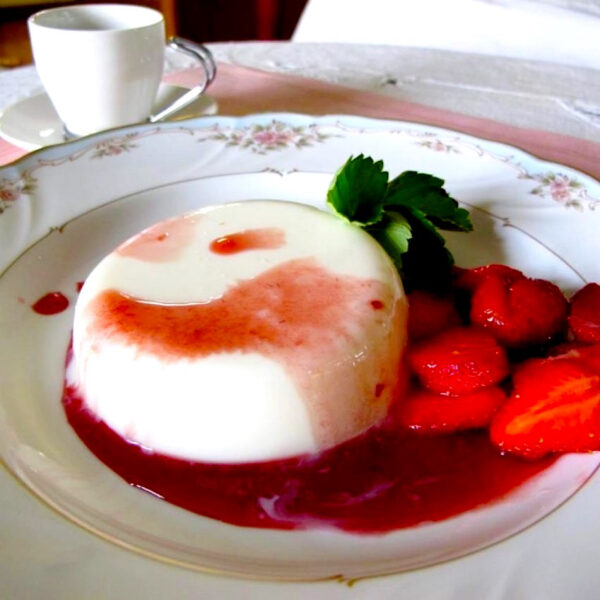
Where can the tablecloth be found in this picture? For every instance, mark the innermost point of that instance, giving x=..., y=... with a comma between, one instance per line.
x=240, y=90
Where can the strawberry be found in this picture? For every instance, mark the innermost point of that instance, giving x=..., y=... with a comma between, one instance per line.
x=471, y=279
x=429, y=314
x=554, y=407
x=563, y=349
x=458, y=361
x=519, y=312
x=588, y=354
x=427, y=412
x=584, y=314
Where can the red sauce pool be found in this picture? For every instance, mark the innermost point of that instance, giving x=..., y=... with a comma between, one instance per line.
x=51, y=303
x=380, y=481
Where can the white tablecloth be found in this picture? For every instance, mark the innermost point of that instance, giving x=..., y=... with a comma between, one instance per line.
x=533, y=94
x=44, y=556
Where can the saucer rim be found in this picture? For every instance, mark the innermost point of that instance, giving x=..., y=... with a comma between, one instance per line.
x=48, y=114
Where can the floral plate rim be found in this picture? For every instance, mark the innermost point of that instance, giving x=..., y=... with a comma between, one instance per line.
x=560, y=182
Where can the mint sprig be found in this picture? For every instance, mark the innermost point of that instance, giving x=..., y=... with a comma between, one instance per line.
x=403, y=215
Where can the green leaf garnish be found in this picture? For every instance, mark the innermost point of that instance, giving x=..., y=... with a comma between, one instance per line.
x=427, y=263
x=358, y=190
x=403, y=215
x=425, y=192
x=393, y=232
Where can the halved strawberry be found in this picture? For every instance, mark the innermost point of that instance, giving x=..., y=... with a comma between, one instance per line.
x=563, y=349
x=588, y=354
x=458, y=361
x=471, y=279
x=427, y=412
x=554, y=407
x=584, y=314
x=429, y=314
x=521, y=312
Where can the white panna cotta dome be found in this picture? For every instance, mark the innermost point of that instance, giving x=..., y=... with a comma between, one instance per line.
x=243, y=332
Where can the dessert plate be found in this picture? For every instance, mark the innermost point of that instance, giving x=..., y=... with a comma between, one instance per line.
x=32, y=123
x=64, y=207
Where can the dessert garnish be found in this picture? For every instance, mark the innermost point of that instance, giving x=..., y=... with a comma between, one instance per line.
x=519, y=311
x=463, y=336
x=584, y=316
x=403, y=215
x=458, y=361
x=554, y=407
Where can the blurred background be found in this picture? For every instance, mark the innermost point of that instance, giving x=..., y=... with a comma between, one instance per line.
x=198, y=20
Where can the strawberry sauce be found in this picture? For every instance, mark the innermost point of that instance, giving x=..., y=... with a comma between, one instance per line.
x=163, y=242
x=298, y=314
x=251, y=239
x=51, y=303
x=383, y=480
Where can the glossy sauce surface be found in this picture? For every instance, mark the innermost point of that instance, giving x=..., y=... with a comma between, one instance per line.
x=51, y=303
x=383, y=480
x=163, y=242
x=268, y=238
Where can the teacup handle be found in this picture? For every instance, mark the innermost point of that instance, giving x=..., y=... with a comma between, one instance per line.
x=204, y=57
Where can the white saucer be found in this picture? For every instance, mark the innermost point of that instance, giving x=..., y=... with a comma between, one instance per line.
x=32, y=123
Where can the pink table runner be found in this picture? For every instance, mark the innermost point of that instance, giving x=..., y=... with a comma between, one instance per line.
x=240, y=91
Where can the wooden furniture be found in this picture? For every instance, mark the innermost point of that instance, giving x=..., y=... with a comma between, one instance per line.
x=15, y=49
x=201, y=21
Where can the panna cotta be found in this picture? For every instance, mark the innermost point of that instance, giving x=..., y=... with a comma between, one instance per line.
x=240, y=333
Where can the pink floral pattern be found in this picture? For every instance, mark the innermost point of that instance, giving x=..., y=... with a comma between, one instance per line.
x=114, y=146
x=438, y=145
x=563, y=189
x=558, y=187
x=276, y=136
x=261, y=139
x=12, y=189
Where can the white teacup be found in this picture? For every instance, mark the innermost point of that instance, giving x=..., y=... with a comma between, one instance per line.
x=101, y=64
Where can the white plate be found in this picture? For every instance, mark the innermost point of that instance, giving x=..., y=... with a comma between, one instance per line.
x=66, y=206
x=32, y=123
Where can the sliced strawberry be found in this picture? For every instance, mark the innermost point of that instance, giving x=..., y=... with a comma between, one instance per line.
x=584, y=314
x=429, y=314
x=554, y=407
x=458, y=361
x=471, y=279
x=519, y=313
x=588, y=354
x=427, y=412
x=563, y=349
